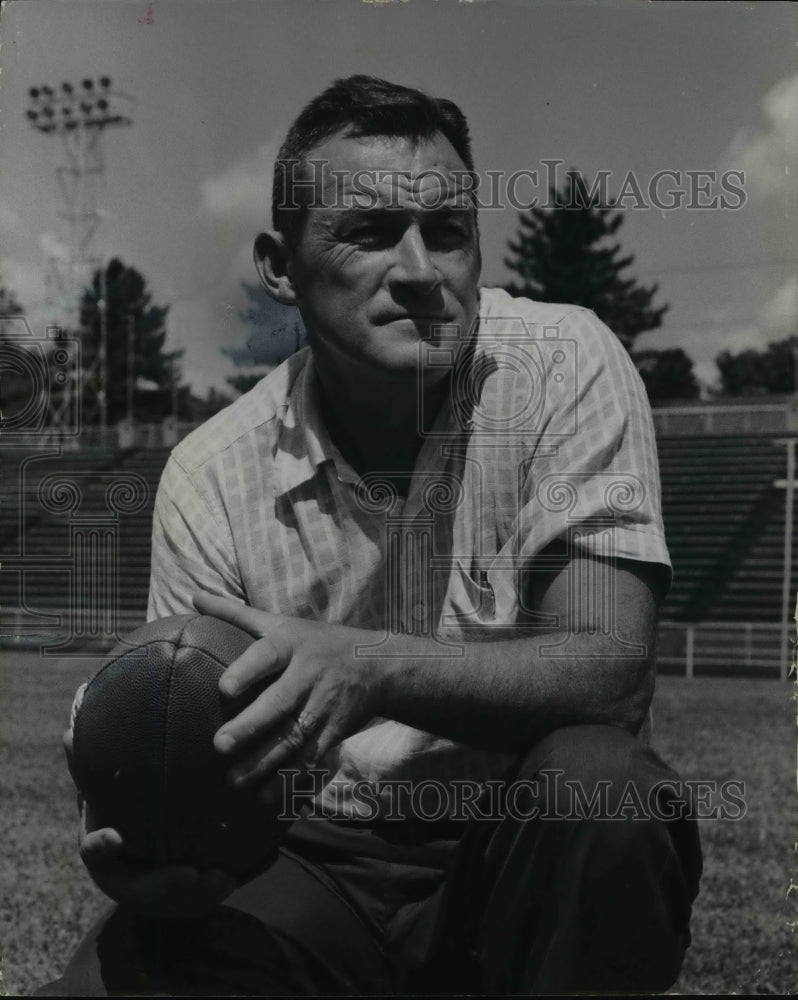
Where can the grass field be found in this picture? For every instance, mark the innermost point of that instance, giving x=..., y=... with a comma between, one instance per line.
x=709, y=729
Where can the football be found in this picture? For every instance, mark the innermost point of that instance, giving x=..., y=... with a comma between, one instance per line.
x=143, y=753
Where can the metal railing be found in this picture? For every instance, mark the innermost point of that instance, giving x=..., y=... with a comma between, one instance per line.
x=114, y=437
x=756, y=418
x=755, y=648
x=669, y=421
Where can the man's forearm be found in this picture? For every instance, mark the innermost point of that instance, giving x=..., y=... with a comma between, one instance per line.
x=506, y=695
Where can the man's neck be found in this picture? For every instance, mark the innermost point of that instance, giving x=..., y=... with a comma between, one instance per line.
x=379, y=432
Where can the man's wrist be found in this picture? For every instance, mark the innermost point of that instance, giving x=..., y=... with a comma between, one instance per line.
x=395, y=669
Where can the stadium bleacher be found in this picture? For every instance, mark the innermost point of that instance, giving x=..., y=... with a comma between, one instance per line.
x=75, y=543
x=724, y=520
x=64, y=542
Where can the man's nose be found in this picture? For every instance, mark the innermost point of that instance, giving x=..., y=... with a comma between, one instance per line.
x=414, y=263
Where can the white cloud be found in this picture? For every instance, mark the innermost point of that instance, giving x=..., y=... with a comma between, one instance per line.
x=53, y=246
x=780, y=312
x=720, y=330
x=769, y=155
x=200, y=326
x=9, y=219
x=242, y=189
x=706, y=337
x=24, y=279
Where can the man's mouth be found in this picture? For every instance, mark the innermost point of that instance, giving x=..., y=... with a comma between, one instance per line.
x=418, y=318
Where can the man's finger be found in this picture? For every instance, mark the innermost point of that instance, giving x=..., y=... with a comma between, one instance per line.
x=264, y=658
x=102, y=853
x=277, y=750
x=103, y=846
x=308, y=758
x=302, y=741
x=67, y=741
x=242, y=615
x=264, y=718
x=278, y=747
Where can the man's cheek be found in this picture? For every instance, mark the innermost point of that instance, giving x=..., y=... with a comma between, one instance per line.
x=330, y=259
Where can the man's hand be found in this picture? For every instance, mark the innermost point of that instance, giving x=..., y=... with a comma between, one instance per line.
x=595, y=666
x=323, y=693
x=162, y=892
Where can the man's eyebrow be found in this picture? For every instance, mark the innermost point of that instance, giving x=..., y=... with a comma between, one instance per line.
x=359, y=213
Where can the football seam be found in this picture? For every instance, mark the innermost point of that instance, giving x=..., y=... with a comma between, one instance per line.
x=176, y=644
x=206, y=652
x=165, y=815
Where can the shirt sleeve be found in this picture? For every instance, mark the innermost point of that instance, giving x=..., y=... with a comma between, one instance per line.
x=589, y=474
x=192, y=547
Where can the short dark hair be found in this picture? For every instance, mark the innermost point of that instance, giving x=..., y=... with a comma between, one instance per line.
x=356, y=107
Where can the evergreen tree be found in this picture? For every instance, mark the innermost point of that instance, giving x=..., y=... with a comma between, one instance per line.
x=127, y=300
x=567, y=252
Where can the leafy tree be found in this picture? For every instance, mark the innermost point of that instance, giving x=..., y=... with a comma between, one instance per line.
x=8, y=306
x=567, y=252
x=276, y=332
x=14, y=386
x=772, y=370
x=127, y=301
x=667, y=374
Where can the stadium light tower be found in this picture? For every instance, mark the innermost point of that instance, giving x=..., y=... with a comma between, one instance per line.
x=79, y=116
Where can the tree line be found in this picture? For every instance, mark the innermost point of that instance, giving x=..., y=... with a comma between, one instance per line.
x=567, y=252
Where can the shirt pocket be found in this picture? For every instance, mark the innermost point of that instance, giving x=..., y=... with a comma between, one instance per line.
x=471, y=602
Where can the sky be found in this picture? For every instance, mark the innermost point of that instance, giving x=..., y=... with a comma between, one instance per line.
x=632, y=89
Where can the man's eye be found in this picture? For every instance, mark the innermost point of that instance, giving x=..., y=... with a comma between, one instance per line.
x=371, y=236
x=449, y=231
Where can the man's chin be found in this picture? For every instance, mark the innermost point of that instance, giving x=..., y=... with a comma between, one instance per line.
x=409, y=362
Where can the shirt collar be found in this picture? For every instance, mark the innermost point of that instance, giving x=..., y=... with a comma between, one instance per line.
x=303, y=442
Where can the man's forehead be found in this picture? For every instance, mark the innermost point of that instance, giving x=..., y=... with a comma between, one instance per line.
x=396, y=172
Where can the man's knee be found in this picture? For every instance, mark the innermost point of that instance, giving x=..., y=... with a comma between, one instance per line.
x=607, y=845
x=608, y=801
x=594, y=772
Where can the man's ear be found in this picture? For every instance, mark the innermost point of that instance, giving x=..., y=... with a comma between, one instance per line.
x=273, y=266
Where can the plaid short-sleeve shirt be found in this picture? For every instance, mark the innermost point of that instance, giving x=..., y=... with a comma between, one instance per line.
x=547, y=434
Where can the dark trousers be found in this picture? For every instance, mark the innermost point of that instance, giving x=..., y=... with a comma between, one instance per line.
x=579, y=878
